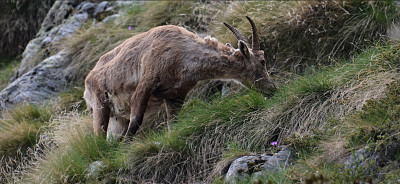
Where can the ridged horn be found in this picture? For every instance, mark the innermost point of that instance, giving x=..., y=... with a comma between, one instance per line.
x=238, y=35
x=255, y=41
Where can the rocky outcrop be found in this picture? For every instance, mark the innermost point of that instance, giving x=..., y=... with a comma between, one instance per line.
x=39, y=79
x=60, y=23
x=256, y=164
x=39, y=83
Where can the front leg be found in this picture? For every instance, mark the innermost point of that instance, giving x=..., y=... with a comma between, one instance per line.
x=139, y=102
x=101, y=115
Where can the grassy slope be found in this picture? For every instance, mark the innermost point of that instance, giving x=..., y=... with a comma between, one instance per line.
x=308, y=32
x=308, y=109
x=204, y=133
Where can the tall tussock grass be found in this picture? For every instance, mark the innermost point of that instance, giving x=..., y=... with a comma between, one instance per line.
x=210, y=131
x=66, y=149
x=199, y=136
x=20, y=129
x=307, y=33
x=20, y=20
x=89, y=45
x=297, y=34
x=203, y=131
x=189, y=14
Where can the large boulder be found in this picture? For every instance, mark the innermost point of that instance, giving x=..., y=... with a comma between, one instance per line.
x=60, y=23
x=39, y=79
x=38, y=83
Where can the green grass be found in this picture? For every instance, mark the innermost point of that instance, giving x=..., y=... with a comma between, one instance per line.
x=152, y=14
x=70, y=100
x=197, y=124
x=7, y=67
x=373, y=60
x=226, y=120
x=213, y=132
x=378, y=123
x=76, y=149
x=295, y=35
x=20, y=128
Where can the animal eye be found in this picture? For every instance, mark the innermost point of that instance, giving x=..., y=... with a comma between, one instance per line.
x=263, y=62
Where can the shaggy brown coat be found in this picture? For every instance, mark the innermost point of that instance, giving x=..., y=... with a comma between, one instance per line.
x=163, y=65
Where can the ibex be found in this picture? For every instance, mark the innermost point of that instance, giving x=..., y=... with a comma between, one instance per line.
x=161, y=66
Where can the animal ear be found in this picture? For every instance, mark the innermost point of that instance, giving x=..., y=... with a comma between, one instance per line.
x=244, y=49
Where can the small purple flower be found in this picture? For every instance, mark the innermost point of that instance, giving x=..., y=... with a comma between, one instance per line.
x=44, y=137
x=274, y=143
x=130, y=28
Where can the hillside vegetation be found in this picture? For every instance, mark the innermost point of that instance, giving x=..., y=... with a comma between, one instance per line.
x=338, y=92
x=20, y=20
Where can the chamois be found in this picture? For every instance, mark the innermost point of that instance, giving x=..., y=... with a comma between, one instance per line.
x=161, y=66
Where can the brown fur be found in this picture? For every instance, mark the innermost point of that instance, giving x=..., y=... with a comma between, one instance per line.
x=163, y=65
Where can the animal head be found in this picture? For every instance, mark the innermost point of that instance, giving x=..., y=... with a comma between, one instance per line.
x=255, y=73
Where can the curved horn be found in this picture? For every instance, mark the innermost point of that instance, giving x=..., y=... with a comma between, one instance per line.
x=238, y=35
x=255, y=41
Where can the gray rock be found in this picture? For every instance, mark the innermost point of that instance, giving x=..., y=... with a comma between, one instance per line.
x=277, y=160
x=29, y=53
x=241, y=166
x=94, y=169
x=358, y=159
x=102, y=7
x=60, y=11
x=38, y=84
x=247, y=165
x=363, y=160
x=111, y=18
x=50, y=28
x=35, y=82
x=58, y=24
x=87, y=7
x=116, y=128
x=128, y=3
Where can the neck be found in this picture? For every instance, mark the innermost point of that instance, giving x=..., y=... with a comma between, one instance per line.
x=214, y=61
x=220, y=66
